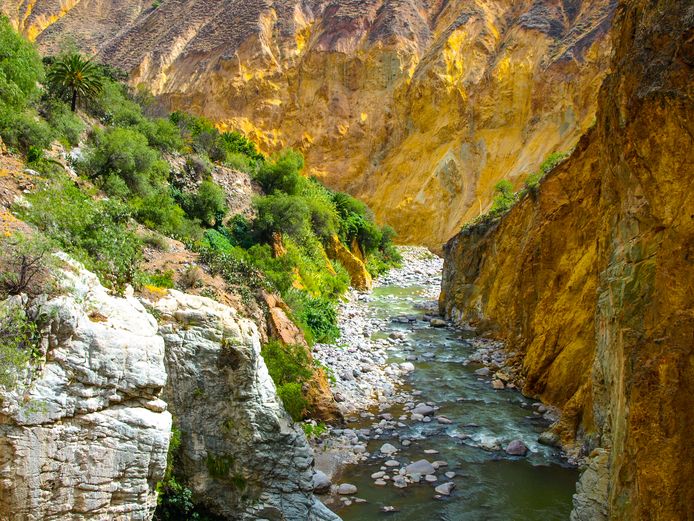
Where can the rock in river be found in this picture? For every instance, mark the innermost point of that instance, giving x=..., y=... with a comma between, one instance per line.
x=346, y=489
x=516, y=448
x=421, y=466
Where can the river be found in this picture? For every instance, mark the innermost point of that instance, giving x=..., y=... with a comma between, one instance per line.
x=477, y=422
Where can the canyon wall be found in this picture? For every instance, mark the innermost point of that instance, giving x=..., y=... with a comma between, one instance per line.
x=418, y=107
x=591, y=281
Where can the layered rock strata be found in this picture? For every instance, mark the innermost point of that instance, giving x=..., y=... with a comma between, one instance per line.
x=417, y=107
x=590, y=281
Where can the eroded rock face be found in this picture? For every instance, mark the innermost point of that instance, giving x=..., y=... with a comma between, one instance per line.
x=416, y=107
x=88, y=438
x=240, y=453
x=591, y=281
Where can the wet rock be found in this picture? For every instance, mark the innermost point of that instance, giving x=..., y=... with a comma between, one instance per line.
x=549, y=438
x=437, y=322
x=388, y=449
x=516, y=448
x=321, y=483
x=408, y=367
x=424, y=410
x=378, y=475
x=498, y=384
x=431, y=478
x=346, y=489
x=445, y=489
x=443, y=420
x=484, y=371
x=389, y=509
x=421, y=467
x=392, y=463
x=380, y=483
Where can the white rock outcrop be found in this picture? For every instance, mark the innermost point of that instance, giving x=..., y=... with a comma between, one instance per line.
x=240, y=453
x=87, y=437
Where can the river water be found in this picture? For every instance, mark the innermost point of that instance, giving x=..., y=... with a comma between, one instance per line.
x=489, y=484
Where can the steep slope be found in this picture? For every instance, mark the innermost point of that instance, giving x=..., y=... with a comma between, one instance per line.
x=416, y=106
x=591, y=282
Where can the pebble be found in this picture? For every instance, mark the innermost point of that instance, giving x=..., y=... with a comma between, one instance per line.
x=431, y=478
x=388, y=449
x=392, y=463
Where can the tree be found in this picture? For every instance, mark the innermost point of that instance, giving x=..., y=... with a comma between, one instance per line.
x=78, y=75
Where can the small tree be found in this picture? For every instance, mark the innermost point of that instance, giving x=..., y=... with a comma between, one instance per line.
x=79, y=76
x=25, y=265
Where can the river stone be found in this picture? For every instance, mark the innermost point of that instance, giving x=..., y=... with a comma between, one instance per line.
x=389, y=509
x=378, y=475
x=407, y=367
x=321, y=483
x=497, y=384
x=424, y=410
x=443, y=420
x=346, y=489
x=388, y=449
x=549, y=438
x=516, y=448
x=399, y=482
x=421, y=466
x=437, y=322
x=445, y=488
x=484, y=371
x=450, y=474
x=392, y=463
x=431, y=478
x=380, y=483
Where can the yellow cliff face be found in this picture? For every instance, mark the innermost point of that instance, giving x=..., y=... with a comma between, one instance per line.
x=591, y=282
x=418, y=108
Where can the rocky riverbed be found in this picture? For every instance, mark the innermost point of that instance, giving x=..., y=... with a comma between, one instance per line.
x=432, y=413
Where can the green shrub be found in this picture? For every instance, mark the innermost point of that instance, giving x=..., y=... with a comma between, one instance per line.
x=240, y=231
x=95, y=232
x=64, y=122
x=283, y=214
x=504, y=199
x=286, y=363
x=162, y=134
x=282, y=174
x=314, y=431
x=21, y=69
x=19, y=341
x=208, y=204
x=26, y=265
x=125, y=153
x=159, y=279
x=240, y=162
x=293, y=400
x=160, y=212
x=23, y=130
x=319, y=316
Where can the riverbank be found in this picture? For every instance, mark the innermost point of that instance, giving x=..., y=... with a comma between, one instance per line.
x=416, y=391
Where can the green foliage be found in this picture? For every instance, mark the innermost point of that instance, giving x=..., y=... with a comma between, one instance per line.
x=65, y=123
x=532, y=183
x=314, y=430
x=219, y=466
x=26, y=265
x=289, y=367
x=503, y=200
x=293, y=400
x=22, y=130
x=159, y=211
x=77, y=76
x=284, y=214
x=286, y=363
x=18, y=342
x=125, y=153
x=95, y=232
x=208, y=204
x=282, y=174
x=160, y=279
x=320, y=317
x=20, y=69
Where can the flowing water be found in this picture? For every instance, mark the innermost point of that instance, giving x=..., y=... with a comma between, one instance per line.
x=490, y=485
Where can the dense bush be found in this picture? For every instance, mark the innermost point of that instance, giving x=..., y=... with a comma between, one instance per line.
x=208, y=204
x=282, y=174
x=124, y=153
x=284, y=214
x=95, y=232
x=67, y=126
x=320, y=317
x=290, y=367
x=18, y=343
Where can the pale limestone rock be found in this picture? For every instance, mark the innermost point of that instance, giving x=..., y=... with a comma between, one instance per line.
x=87, y=438
x=240, y=452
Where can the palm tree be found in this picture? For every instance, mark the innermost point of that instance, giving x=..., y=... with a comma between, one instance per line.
x=78, y=75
